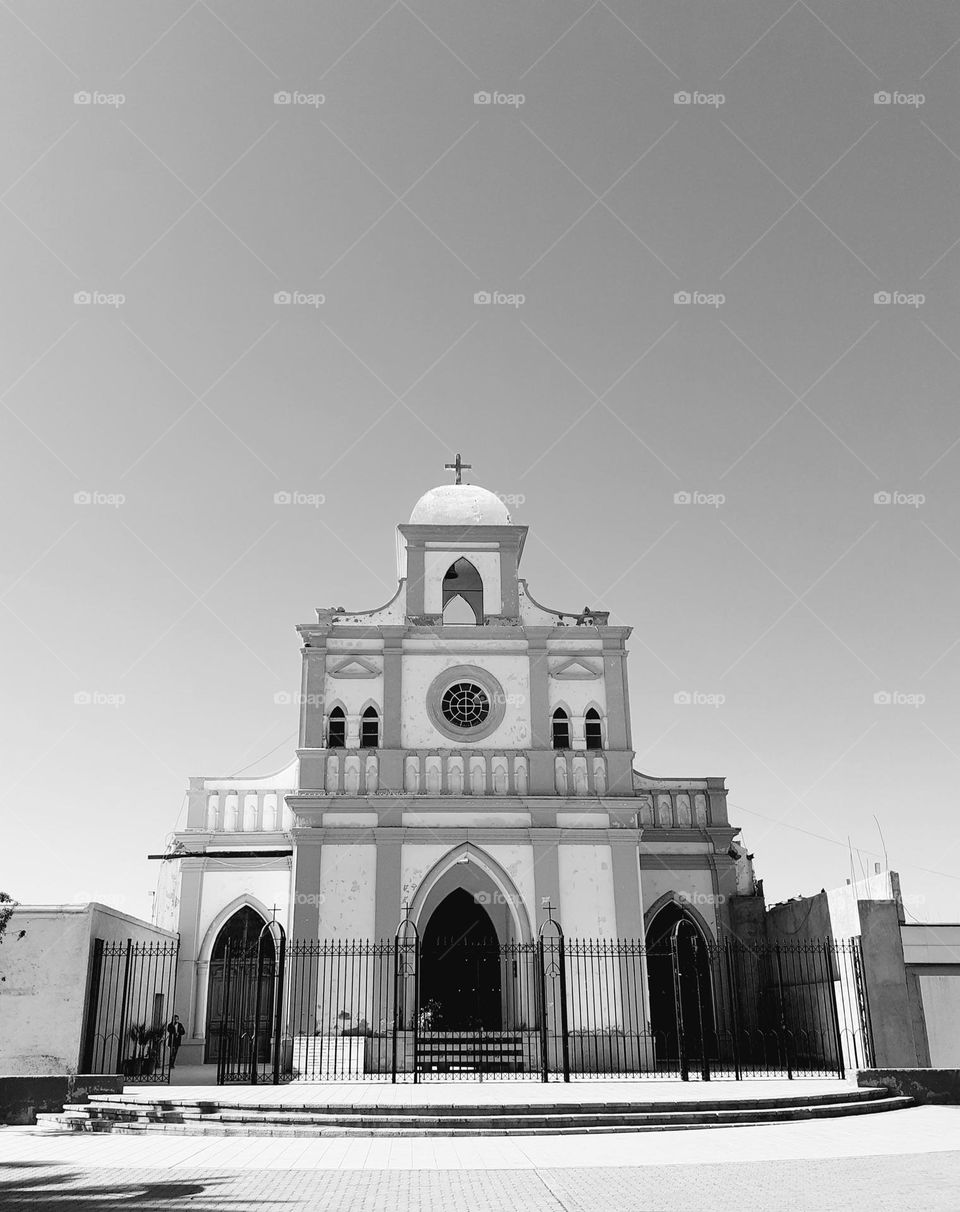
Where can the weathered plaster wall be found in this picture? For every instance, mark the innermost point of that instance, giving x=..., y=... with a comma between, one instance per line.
x=416, y=861
x=348, y=880
x=419, y=670
x=587, y=906
x=221, y=888
x=695, y=886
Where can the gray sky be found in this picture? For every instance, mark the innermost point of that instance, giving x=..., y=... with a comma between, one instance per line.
x=596, y=399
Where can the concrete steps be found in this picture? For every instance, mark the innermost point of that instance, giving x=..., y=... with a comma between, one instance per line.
x=126, y=1114
x=470, y=1052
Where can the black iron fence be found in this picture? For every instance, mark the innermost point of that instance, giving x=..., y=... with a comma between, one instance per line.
x=552, y=1010
x=130, y=1008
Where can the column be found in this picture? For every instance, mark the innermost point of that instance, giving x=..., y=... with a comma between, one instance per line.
x=540, y=781
x=391, y=740
x=305, y=910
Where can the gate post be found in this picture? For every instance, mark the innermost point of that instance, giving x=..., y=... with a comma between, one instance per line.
x=224, y=1011
x=402, y=947
x=704, y=1057
x=557, y=949
x=123, y=1005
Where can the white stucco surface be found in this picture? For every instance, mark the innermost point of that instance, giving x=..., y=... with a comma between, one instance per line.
x=586, y=891
x=941, y=1011
x=420, y=669
x=221, y=888
x=348, y=879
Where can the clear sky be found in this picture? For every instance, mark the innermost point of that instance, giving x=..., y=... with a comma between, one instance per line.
x=782, y=597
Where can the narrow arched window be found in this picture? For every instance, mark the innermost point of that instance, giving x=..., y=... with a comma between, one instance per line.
x=462, y=594
x=561, y=729
x=369, y=729
x=593, y=729
x=337, y=729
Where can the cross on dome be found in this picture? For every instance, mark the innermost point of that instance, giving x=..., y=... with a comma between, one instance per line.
x=458, y=466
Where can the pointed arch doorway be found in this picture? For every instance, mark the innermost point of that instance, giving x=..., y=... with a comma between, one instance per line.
x=232, y=990
x=461, y=987
x=680, y=986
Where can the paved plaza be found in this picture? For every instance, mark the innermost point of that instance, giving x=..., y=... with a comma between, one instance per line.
x=898, y=1159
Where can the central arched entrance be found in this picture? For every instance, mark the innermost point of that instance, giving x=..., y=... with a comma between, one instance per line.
x=460, y=978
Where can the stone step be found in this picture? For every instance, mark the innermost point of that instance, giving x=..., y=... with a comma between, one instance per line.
x=203, y=1119
x=220, y=1099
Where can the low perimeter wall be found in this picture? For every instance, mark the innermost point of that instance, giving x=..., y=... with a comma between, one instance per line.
x=21, y=1098
x=924, y=1085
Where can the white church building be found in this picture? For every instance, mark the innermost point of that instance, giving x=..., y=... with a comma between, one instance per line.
x=462, y=745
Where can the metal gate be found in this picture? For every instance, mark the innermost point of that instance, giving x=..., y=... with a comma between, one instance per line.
x=551, y=1010
x=131, y=998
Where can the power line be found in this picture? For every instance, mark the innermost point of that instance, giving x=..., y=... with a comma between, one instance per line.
x=835, y=842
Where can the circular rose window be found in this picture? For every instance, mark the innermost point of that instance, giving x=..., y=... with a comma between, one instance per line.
x=465, y=705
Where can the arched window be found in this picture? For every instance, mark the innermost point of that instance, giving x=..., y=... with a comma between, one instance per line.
x=369, y=729
x=593, y=729
x=462, y=594
x=561, y=729
x=337, y=729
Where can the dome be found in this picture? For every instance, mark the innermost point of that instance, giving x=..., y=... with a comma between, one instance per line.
x=459, y=505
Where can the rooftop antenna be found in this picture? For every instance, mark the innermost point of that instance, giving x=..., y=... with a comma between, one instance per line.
x=886, y=862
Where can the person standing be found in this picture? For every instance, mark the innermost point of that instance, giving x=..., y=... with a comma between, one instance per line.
x=175, y=1034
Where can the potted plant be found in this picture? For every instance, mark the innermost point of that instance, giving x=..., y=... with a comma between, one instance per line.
x=146, y=1041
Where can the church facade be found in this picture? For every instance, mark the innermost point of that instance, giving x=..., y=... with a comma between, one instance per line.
x=461, y=745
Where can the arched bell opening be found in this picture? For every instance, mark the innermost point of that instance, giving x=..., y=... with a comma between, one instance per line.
x=232, y=983
x=462, y=595
x=680, y=985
